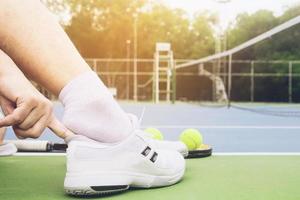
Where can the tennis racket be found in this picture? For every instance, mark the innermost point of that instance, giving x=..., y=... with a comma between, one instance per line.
x=45, y=146
x=204, y=150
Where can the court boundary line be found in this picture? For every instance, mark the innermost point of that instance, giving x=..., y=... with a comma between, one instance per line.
x=35, y=154
x=222, y=127
x=256, y=154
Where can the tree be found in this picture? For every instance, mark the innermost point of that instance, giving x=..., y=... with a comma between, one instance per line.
x=101, y=28
x=249, y=26
x=281, y=46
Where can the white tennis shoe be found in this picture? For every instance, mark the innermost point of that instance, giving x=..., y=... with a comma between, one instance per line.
x=178, y=146
x=94, y=168
x=159, y=144
x=7, y=149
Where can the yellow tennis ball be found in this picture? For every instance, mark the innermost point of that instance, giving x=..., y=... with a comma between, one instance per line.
x=154, y=133
x=192, y=138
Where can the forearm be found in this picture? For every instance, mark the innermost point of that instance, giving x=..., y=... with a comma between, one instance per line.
x=7, y=66
x=32, y=37
x=10, y=74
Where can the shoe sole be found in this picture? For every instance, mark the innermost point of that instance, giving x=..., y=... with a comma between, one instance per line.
x=95, y=190
x=102, y=184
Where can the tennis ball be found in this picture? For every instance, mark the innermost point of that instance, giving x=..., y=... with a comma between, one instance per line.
x=154, y=133
x=192, y=138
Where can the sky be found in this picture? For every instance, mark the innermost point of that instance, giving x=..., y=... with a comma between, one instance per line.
x=228, y=11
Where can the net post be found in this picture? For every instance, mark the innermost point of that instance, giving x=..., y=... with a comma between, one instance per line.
x=252, y=82
x=229, y=80
x=290, y=81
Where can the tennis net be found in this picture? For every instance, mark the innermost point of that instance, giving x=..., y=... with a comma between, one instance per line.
x=248, y=80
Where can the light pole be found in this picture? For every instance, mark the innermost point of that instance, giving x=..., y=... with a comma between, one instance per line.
x=221, y=43
x=222, y=33
x=135, y=17
x=135, y=14
x=128, y=42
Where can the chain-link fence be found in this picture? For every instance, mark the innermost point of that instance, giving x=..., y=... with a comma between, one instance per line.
x=252, y=80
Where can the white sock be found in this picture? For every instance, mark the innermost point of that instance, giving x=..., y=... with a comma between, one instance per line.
x=91, y=110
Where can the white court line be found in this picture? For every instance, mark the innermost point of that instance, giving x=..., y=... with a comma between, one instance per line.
x=39, y=154
x=214, y=154
x=256, y=154
x=222, y=127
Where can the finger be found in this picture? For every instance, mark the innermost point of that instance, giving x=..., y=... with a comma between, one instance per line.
x=33, y=132
x=20, y=137
x=58, y=128
x=16, y=117
x=33, y=117
x=6, y=105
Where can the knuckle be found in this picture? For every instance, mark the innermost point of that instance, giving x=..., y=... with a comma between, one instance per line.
x=48, y=107
x=20, y=134
x=34, y=135
x=37, y=130
x=46, y=103
x=17, y=118
x=49, y=104
x=20, y=137
x=32, y=100
x=21, y=126
x=24, y=126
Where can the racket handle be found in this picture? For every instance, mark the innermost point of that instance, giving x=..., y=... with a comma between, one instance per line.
x=59, y=129
x=31, y=145
x=37, y=145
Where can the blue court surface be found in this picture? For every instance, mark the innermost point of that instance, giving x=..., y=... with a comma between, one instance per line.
x=227, y=130
x=261, y=156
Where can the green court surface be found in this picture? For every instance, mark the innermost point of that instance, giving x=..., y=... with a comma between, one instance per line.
x=216, y=177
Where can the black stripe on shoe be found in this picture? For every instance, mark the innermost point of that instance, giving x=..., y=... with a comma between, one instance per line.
x=146, y=151
x=154, y=157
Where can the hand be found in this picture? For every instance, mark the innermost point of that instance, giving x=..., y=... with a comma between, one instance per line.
x=27, y=110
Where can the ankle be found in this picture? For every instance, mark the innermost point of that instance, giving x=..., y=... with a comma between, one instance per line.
x=84, y=88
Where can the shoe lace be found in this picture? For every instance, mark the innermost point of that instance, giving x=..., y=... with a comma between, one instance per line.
x=136, y=122
x=142, y=115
